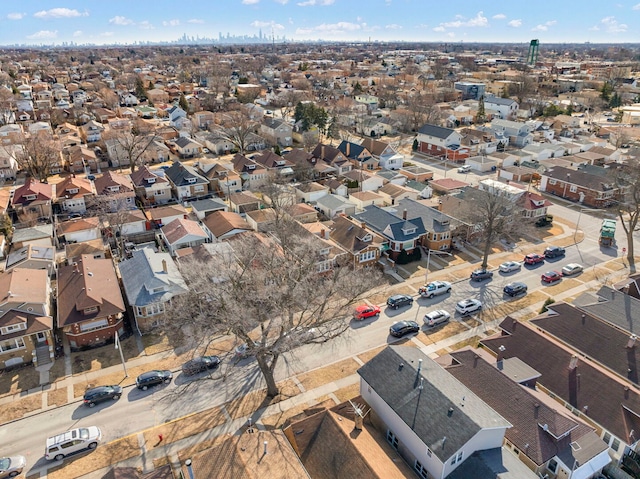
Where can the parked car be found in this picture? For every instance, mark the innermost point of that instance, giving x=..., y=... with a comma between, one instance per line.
x=434, y=289
x=434, y=318
x=199, y=364
x=365, y=311
x=101, y=393
x=402, y=328
x=571, y=269
x=69, y=442
x=534, y=258
x=12, y=466
x=481, y=275
x=464, y=169
x=515, y=289
x=551, y=277
x=398, y=300
x=553, y=252
x=509, y=266
x=468, y=306
x=544, y=221
x=153, y=378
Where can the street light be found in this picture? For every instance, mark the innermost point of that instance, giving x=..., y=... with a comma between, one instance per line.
x=435, y=251
x=119, y=348
x=575, y=233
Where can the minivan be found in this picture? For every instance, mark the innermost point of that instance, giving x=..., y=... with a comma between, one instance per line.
x=72, y=441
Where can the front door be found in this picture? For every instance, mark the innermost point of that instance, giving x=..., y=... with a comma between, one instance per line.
x=41, y=337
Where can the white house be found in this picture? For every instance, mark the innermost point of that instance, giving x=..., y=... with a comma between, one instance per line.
x=430, y=418
x=181, y=233
x=334, y=205
x=504, y=108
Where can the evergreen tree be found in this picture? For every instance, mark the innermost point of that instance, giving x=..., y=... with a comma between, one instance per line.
x=183, y=103
x=605, y=93
x=481, y=117
x=276, y=150
x=569, y=109
x=140, y=89
x=414, y=147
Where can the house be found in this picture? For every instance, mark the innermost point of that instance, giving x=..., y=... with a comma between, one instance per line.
x=175, y=113
x=186, y=182
x=222, y=178
x=221, y=225
x=310, y=192
x=334, y=205
x=114, y=192
x=32, y=257
x=394, y=193
x=150, y=280
x=82, y=160
x=8, y=163
x=187, y=148
x=441, y=142
x=163, y=215
x=74, y=193
x=78, y=230
x=203, y=119
x=244, y=201
x=91, y=131
x=263, y=220
x=363, y=246
x=362, y=199
x=436, y=223
x=327, y=159
x=33, y=200
x=615, y=414
x=253, y=175
x=182, y=233
x=401, y=233
x=447, y=186
x=504, y=108
x=150, y=187
x=470, y=90
x=593, y=187
x=430, y=418
x=302, y=213
x=511, y=133
x=359, y=156
x=73, y=251
x=273, y=163
x=388, y=157
x=566, y=447
x=41, y=234
x=26, y=324
x=90, y=305
x=277, y=131
x=417, y=173
x=202, y=208
x=364, y=180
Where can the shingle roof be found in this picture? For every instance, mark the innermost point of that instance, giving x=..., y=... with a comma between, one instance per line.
x=434, y=220
x=613, y=306
x=497, y=463
x=223, y=222
x=43, y=192
x=179, y=174
x=379, y=220
x=181, y=228
x=444, y=414
x=140, y=176
x=436, y=131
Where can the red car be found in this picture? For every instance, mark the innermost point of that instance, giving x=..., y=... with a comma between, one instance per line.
x=534, y=258
x=551, y=277
x=365, y=311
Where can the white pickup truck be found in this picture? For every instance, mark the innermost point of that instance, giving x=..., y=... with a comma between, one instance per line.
x=434, y=289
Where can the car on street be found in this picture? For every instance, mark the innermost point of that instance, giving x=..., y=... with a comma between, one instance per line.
x=551, y=277
x=398, y=300
x=12, y=466
x=72, y=441
x=571, y=269
x=481, y=275
x=534, y=258
x=515, y=289
x=98, y=394
x=434, y=288
x=509, y=266
x=205, y=150
x=199, y=364
x=468, y=306
x=464, y=169
x=153, y=378
x=434, y=318
x=365, y=311
x=553, y=252
x=402, y=328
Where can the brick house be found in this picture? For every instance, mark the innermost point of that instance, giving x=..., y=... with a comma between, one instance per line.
x=594, y=190
x=441, y=142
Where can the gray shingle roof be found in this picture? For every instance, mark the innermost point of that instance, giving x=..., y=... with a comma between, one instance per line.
x=179, y=173
x=436, y=131
x=379, y=220
x=433, y=220
x=444, y=414
x=208, y=204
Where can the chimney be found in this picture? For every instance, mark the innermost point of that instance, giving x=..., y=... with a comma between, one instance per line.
x=613, y=294
x=574, y=362
x=348, y=148
x=322, y=233
x=404, y=215
x=514, y=324
x=322, y=152
x=536, y=410
x=164, y=265
x=632, y=341
x=363, y=225
x=265, y=447
x=419, y=365
x=501, y=350
x=358, y=422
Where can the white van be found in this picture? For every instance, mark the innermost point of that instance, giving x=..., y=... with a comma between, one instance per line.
x=464, y=169
x=72, y=441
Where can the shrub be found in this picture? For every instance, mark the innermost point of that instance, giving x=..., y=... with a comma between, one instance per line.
x=547, y=302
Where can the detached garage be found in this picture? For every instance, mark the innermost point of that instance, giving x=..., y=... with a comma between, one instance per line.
x=481, y=163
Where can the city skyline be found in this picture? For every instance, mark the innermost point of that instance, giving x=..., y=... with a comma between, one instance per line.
x=117, y=22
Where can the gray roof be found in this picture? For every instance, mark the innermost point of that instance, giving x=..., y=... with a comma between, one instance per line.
x=436, y=131
x=434, y=220
x=208, y=204
x=144, y=272
x=184, y=141
x=332, y=201
x=498, y=463
x=32, y=233
x=444, y=413
x=379, y=220
x=496, y=100
x=179, y=173
x=44, y=253
x=612, y=306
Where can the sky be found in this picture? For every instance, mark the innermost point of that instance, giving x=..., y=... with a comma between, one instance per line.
x=46, y=22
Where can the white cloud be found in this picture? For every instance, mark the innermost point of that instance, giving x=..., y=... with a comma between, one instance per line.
x=119, y=20
x=15, y=16
x=515, y=23
x=282, y=2
x=499, y=16
x=478, y=21
x=439, y=29
x=106, y=34
x=636, y=7
x=451, y=35
x=250, y=2
x=393, y=26
x=146, y=25
x=60, y=13
x=543, y=27
x=611, y=25
x=274, y=25
x=44, y=35
x=310, y=3
x=77, y=33
x=332, y=28
x=195, y=20
x=171, y=23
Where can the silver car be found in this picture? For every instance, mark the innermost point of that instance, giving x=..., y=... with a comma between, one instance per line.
x=509, y=266
x=571, y=269
x=434, y=318
x=12, y=466
x=468, y=306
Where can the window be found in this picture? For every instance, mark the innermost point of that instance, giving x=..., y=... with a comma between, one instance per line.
x=457, y=458
x=198, y=188
x=607, y=438
x=93, y=325
x=14, y=327
x=392, y=439
x=552, y=182
x=420, y=469
x=16, y=343
x=573, y=189
x=553, y=465
x=367, y=256
x=90, y=310
x=615, y=445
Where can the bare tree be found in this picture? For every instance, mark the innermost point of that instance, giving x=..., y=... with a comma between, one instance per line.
x=627, y=205
x=271, y=295
x=36, y=154
x=237, y=128
x=7, y=105
x=114, y=211
x=131, y=145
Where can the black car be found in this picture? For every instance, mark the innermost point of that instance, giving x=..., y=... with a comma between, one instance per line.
x=553, y=252
x=101, y=393
x=152, y=378
x=481, y=275
x=199, y=364
x=514, y=289
x=402, y=328
x=398, y=300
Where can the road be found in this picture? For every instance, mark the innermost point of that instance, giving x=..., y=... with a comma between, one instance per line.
x=139, y=410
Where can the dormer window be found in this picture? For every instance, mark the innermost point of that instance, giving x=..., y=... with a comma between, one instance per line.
x=366, y=238
x=73, y=191
x=91, y=310
x=280, y=163
x=114, y=189
x=29, y=197
x=150, y=180
x=324, y=251
x=191, y=180
x=251, y=167
x=409, y=230
x=12, y=328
